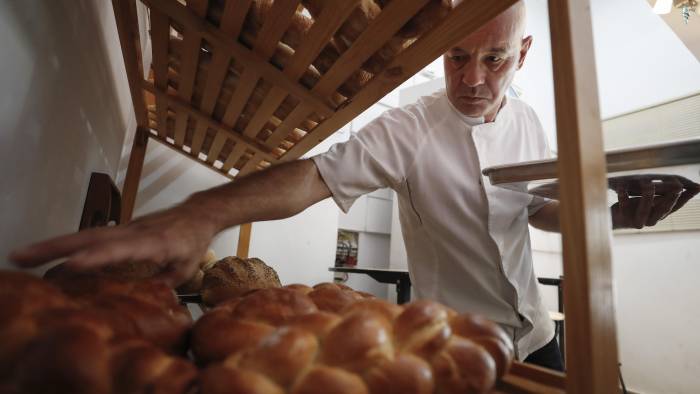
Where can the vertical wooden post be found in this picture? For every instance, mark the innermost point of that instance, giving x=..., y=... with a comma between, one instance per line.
x=127, y=26
x=244, y=240
x=133, y=174
x=588, y=295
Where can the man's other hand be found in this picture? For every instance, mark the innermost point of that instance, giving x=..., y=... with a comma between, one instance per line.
x=644, y=200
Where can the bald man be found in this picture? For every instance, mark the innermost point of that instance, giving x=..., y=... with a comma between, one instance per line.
x=467, y=241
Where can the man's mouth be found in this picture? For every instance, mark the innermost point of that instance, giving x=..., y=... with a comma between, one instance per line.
x=472, y=99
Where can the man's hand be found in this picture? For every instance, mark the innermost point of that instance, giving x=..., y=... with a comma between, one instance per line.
x=177, y=238
x=174, y=239
x=644, y=200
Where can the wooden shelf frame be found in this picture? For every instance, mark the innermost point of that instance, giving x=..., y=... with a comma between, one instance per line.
x=591, y=344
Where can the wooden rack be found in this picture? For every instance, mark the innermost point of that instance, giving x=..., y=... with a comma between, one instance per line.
x=229, y=99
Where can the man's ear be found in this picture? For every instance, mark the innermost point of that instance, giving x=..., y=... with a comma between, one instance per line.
x=524, y=48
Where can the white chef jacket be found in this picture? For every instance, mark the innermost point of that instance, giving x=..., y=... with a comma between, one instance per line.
x=467, y=241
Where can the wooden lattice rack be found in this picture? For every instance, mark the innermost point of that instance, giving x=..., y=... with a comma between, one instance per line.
x=237, y=93
x=238, y=85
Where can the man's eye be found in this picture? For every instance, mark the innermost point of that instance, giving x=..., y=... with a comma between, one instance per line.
x=494, y=59
x=457, y=58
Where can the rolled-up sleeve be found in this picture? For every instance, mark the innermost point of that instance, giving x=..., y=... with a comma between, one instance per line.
x=376, y=157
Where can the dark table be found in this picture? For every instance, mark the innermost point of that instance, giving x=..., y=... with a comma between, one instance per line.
x=398, y=277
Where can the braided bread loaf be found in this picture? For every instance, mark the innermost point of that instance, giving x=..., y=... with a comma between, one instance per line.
x=55, y=343
x=328, y=339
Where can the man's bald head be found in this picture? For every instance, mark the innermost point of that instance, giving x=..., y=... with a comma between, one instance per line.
x=480, y=68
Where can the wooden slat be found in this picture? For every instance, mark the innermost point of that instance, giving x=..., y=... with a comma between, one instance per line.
x=330, y=20
x=518, y=385
x=464, y=19
x=244, y=89
x=133, y=174
x=189, y=155
x=269, y=105
x=233, y=16
x=250, y=166
x=244, y=235
x=237, y=151
x=388, y=23
x=191, y=45
x=216, y=147
x=242, y=54
x=236, y=137
x=584, y=215
x=538, y=374
x=215, y=78
x=276, y=24
x=297, y=115
x=127, y=24
x=160, y=31
x=231, y=23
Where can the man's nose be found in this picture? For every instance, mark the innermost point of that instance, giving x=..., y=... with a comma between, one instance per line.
x=473, y=75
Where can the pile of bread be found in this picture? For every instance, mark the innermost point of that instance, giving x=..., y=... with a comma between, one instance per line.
x=307, y=13
x=94, y=333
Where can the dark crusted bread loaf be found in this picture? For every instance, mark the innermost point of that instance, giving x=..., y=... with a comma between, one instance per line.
x=232, y=277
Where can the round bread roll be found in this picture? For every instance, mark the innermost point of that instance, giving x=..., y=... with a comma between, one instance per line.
x=327, y=380
x=359, y=342
x=487, y=334
x=232, y=277
x=407, y=374
x=219, y=379
x=274, y=306
x=422, y=329
x=463, y=367
x=216, y=335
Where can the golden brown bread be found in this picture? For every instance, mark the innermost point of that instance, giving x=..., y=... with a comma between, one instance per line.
x=232, y=277
x=194, y=284
x=93, y=341
x=286, y=342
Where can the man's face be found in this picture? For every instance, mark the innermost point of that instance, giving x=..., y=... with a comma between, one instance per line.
x=479, y=70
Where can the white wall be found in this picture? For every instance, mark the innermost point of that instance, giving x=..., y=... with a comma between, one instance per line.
x=656, y=279
x=168, y=178
x=64, y=111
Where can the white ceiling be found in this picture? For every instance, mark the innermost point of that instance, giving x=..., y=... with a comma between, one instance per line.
x=688, y=33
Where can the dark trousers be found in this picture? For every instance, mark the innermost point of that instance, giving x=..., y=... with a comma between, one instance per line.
x=547, y=356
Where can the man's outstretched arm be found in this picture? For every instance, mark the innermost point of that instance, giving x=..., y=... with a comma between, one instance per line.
x=178, y=237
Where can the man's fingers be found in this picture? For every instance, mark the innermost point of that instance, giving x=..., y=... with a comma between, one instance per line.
x=662, y=208
x=175, y=274
x=645, y=206
x=101, y=255
x=63, y=246
x=684, y=197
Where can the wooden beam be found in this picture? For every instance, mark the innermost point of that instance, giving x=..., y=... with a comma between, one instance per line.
x=584, y=214
x=182, y=106
x=464, y=19
x=191, y=48
x=133, y=174
x=160, y=33
x=244, y=234
x=189, y=155
x=185, y=17
x=127, y=23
